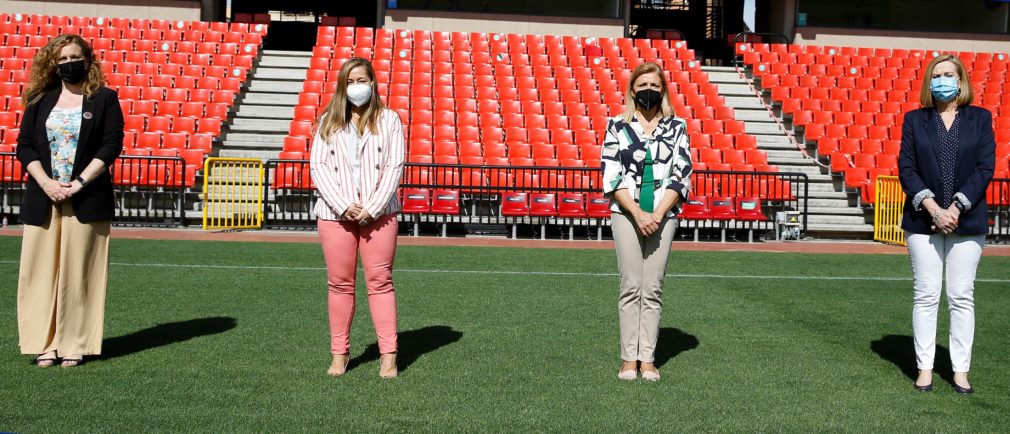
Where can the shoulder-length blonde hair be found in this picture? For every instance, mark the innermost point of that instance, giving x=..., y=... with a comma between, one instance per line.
x=43, y=77
x=629, y=96
x=337, y=115
x=964, y=97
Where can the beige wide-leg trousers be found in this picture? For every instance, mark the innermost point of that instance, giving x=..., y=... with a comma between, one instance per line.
x=642, y=263
x=61, y=286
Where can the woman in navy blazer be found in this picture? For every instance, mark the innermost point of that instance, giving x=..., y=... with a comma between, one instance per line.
x=946, y=162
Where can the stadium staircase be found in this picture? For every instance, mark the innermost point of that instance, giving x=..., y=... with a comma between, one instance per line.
x=832, y=213
x=265, y=111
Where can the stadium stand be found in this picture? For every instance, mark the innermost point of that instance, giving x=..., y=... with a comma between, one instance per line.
x=177, y=80
x=510, y=98
x=850, y=101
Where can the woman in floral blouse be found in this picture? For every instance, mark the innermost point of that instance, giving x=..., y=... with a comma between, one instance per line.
x=646, y=173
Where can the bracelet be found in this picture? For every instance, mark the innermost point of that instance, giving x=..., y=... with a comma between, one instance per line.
x=80, y=179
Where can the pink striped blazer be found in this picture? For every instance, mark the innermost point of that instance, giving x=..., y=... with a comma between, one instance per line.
x=381, y=167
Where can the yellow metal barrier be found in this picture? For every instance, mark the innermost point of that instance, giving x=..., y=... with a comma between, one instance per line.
x=887, y=211
x=232, y=193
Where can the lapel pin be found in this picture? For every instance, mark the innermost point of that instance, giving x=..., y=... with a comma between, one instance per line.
x=87, y=115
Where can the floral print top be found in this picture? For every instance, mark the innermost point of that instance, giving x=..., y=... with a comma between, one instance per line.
x=63, y=128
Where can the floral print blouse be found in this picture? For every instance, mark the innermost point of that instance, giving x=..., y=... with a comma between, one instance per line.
x=623, y=159
x=63, y=128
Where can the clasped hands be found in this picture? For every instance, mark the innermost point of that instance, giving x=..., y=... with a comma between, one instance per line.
x=357, y=213
x=946, y=220
x=60, y=191
x=646, y=222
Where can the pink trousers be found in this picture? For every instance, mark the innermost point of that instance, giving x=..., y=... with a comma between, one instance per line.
x=376, y=242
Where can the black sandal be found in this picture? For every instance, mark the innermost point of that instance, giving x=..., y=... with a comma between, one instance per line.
x=41, y=361
x=44, y=362
x=71, y=363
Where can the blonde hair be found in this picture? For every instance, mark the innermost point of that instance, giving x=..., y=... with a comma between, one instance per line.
x=964, y=97
x=43, y=77
x=629, y=97
x=337, y=115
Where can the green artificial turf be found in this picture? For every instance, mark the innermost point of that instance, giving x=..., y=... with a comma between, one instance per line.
x=529, y=346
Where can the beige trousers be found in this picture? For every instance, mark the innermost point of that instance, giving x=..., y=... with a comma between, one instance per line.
x=61, y=286
x=642, y=263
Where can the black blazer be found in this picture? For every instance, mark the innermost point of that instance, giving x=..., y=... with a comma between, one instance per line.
x=101, y=137
x=919, y=167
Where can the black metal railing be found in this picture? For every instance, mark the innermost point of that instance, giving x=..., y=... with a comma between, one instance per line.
x=149, y=191
x=529, y=195
x=998, y=201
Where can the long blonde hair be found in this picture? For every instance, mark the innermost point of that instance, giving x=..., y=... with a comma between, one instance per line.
x=43, y=77
x=337, y=115
x=964, y=97
x=629, y=97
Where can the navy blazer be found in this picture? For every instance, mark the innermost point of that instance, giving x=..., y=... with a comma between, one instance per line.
x=101, y=137
x=919, y=167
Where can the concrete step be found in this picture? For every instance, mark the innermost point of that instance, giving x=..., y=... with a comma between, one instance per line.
x=797, y=161
x=285, y=62
x=837, y=195
x=813, y=173
x=744, y=102
x=279, y=74
x=232, y=138
x=772, y=138
x=841, y=209
x=278, y=127
x=731, y=77
x=836, y=219
x=822, y=187
x=246, y=153
x=285, y=53
x=264, y=111
x=783, y=153
x=843, y=230
x=824, y=203
x=767, y=128
x=784, y=145
x=277, y=99
x=260, y=85
x=748, y=115
x=735, y=90
x=252, y=124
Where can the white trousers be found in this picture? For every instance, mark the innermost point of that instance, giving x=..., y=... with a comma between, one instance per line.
x=930, y=254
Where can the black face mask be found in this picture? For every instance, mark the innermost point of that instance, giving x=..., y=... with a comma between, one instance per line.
x=647, y=99
x=72, y=72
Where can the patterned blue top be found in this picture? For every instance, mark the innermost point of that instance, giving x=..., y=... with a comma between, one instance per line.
x=63, y=128
x=948, y=158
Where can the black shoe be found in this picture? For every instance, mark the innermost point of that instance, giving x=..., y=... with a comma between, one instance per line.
x=926, y=388
x=963, y=390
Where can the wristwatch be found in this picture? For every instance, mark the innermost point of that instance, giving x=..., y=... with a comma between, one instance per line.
x=959, y=205
x=81, y=180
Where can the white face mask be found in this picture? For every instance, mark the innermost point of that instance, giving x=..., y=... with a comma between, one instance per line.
x=359, y=93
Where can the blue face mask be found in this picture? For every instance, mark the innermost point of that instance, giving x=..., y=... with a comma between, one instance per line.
x=944, y=88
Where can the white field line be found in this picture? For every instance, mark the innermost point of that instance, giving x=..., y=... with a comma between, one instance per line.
x=532, y=273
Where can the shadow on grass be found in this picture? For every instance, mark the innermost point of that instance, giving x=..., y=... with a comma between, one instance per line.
x=412, y=345
x=672, y=342
x=164, y=334
x=900, y=350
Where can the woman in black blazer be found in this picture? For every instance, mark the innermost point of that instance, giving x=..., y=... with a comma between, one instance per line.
x=946, y=162
x=71, y=133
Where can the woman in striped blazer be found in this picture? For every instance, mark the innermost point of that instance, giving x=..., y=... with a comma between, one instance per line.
x=356, y=162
